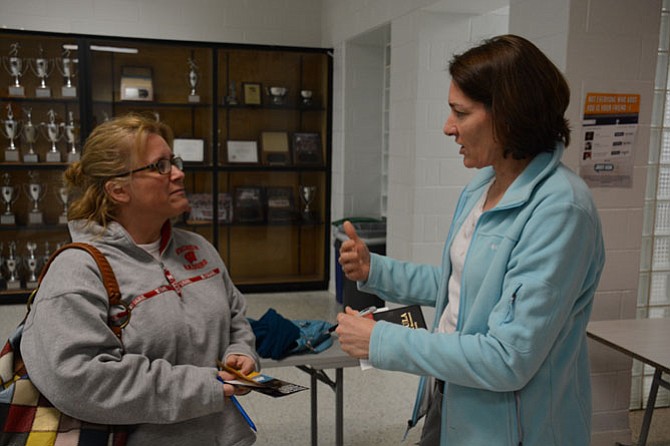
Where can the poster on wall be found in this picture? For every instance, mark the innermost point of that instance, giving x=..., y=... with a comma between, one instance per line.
x=608, y=134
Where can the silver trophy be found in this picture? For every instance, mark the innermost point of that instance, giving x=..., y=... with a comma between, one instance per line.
x=64, y=197
x=9, y=196
x=35, y=191
x=277, y=94
x=193, y=78
x=69, y=131
x=66, y=68
x=12, y=264
x=32, y=263
x=308, y=194
x=15, y=67
x=42, y=68
x=52, y=132
x=46, y=254
x=29, y=132
x=10, y=129
x=231, y=99
x=306, y=97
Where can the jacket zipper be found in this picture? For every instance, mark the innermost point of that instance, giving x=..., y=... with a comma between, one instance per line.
x=519, y=428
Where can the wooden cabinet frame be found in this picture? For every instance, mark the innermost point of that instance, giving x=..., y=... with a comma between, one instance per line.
x=295, y=89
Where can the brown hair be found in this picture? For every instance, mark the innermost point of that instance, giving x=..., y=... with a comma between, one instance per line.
x=110, y=149
x=524, y=91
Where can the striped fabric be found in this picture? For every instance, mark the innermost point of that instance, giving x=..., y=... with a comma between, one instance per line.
x=28, y=419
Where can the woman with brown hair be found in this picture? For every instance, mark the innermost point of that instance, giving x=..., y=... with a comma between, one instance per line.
x=506, y=362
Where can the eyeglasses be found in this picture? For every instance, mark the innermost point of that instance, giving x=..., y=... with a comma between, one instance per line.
x=162, y=166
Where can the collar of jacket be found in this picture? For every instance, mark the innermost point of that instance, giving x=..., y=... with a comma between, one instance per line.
x=519, y=192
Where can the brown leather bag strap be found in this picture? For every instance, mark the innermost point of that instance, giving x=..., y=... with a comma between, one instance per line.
x=108, y=279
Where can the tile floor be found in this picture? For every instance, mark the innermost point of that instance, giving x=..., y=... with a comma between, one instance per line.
x=377, y=403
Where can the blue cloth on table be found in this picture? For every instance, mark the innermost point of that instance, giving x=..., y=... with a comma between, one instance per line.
x=277, y=337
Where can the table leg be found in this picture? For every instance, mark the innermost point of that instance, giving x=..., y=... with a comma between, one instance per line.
x=649, y=411
x=339, y=407
x=314, y=407
x=337, y=386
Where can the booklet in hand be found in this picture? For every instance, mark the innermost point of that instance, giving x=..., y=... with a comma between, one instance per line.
x=259, y=382
x=410, y=316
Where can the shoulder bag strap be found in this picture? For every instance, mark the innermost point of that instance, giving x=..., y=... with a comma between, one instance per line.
x=108, y=279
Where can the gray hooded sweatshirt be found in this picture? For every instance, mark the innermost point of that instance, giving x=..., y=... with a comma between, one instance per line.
x=186, y=314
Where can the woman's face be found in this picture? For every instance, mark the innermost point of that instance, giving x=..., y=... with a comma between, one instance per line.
x=471, y=125
x=154, y=194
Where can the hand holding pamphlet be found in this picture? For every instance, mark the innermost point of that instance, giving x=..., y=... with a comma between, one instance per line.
x=410, y=316
x=259, y=382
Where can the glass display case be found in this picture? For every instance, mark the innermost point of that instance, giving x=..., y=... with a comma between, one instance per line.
x=252, y=124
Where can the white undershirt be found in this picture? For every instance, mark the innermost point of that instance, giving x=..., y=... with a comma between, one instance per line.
x=153, y=248
x=457, y=253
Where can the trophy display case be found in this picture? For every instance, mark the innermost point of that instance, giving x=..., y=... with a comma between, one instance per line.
x=40, y=131
x=275, y=228
x=252, y=124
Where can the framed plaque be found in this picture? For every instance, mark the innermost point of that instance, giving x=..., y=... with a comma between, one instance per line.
x=189, y=149
x=252, y=93
x=280, y=207
x=275, y=151
x=307, y=149
x=137, y=84
x=242, y=152
x=248, y=204
x=202, y=208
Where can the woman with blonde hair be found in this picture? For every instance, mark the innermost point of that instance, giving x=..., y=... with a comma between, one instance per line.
x=184, y=311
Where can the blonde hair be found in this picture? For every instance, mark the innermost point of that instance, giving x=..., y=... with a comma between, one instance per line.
x=110, y=149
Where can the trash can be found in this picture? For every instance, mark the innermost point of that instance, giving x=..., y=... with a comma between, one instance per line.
x=373, y=233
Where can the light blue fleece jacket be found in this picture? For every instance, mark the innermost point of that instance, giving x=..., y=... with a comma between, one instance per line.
x=516, y=370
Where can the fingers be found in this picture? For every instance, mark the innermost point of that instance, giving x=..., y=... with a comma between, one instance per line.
x=243, y=363
x=350, y=230
x=229, y=390
x=349, y=310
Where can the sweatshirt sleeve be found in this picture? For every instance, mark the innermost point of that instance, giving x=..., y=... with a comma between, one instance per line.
x=79, y=365
x=242, y=338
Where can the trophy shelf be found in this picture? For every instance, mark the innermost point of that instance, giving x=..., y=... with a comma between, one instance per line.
x=209, y=94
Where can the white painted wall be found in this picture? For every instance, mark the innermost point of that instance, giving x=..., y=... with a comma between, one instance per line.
x=275, y=22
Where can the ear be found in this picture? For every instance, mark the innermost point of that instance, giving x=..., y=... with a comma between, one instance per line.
x=117, y=192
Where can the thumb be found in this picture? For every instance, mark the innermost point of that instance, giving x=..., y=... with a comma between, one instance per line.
x=349, y=310
x=350, y=230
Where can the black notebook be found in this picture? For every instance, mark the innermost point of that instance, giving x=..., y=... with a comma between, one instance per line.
x=410, y=316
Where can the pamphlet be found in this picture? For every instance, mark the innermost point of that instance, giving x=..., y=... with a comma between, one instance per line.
x=259, y=382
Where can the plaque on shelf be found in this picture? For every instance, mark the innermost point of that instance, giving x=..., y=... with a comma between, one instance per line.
x=242, y=152
x=252, y=93
x=307, y=149
x=280, y=204
x=188, y=149
x=275, y=148
x=137, y=84
x=203, y=210
x=248, y=203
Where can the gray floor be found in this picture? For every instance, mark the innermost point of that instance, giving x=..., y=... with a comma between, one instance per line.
x=377, y=403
